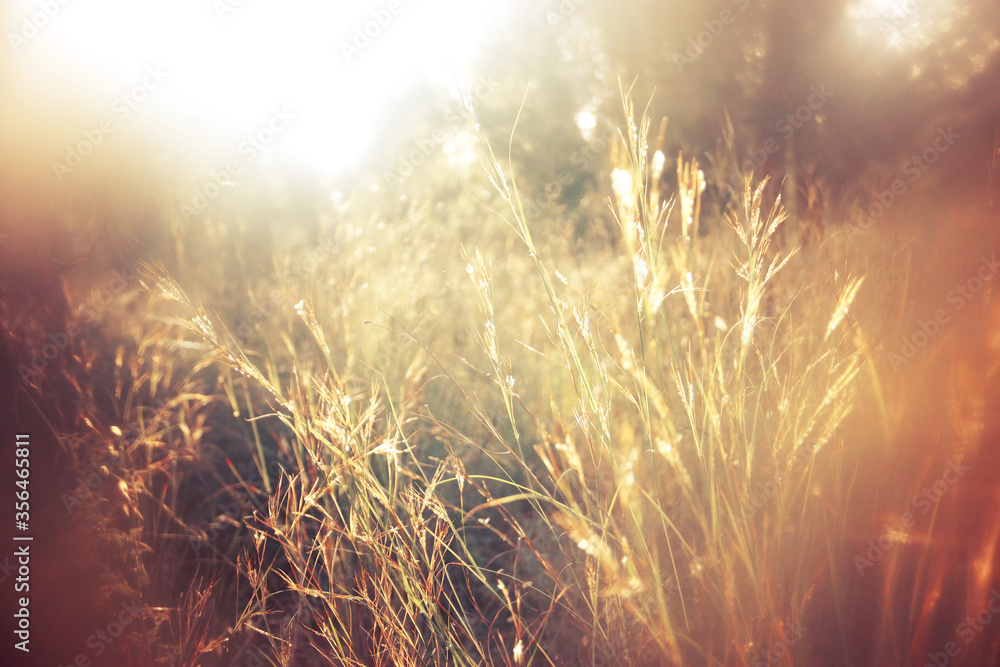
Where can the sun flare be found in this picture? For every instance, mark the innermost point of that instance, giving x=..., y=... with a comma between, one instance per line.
x=227, y=65
x=902, y=25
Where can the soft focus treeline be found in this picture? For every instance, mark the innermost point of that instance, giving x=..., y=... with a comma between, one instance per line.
x=894, y=74
x=890, y=77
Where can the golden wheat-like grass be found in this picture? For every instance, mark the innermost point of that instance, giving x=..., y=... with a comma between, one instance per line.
x=396, y=448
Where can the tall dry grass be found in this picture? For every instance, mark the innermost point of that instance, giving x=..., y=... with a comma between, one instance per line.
x=452, y=438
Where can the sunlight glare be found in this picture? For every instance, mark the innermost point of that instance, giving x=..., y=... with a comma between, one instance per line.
x=229, y=63
x=901, y=25
x=586, y=120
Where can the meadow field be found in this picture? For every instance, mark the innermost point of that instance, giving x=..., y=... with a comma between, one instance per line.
x=513, y=399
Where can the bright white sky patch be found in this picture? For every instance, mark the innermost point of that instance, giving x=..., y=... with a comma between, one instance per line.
x=229, y=63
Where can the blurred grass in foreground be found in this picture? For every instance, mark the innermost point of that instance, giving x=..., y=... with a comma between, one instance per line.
x=450, y=438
